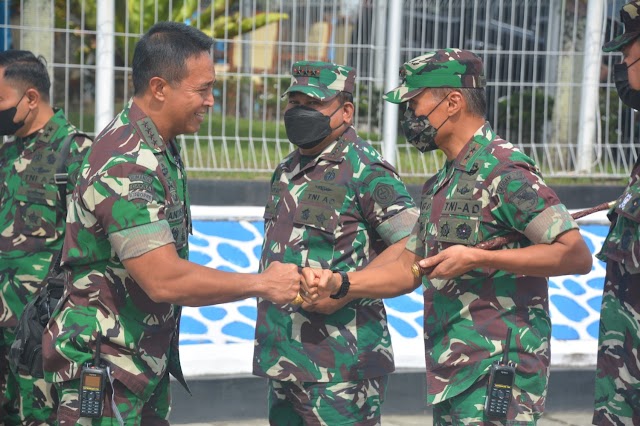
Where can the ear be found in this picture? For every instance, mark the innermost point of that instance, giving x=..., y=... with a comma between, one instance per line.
x=33, y=97
x=348, y=111
x=157, y=87
x=456, y=102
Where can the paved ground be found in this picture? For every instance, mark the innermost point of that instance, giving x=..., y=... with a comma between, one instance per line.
x=564, y=418
x=241, y=401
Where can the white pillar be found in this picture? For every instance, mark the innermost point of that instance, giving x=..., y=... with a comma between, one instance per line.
x=379, y=39
x=590, y=83
x=37, y=35
x=390, y=122
x=105, y=53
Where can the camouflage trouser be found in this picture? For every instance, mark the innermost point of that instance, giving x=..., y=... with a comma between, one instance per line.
x=467, y=408
x=133, y=410
x=343, y=403
x=617, y=394
x=24, y=400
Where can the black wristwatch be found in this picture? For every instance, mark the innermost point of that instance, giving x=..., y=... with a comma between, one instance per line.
x=344, y=288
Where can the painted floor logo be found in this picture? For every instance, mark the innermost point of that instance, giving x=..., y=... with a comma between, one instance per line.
x=236, y=246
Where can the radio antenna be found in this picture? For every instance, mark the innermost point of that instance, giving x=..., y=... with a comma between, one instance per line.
x=505, y=354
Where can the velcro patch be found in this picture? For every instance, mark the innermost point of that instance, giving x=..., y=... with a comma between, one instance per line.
x=384, y=194
x=458, y=231
x=462, y=207
x=525, y=198
x=140, y=188
x=507, y=179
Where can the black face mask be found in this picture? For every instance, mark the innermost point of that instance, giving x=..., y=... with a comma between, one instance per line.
x=627, y=94
x=307, y=128
x=7, y=126
x=419, y=131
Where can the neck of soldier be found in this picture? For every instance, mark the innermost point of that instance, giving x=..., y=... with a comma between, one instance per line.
x=36, y=119
x=157, y=112
x=454, y=135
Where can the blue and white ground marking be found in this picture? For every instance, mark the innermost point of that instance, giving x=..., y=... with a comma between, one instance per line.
x=219, y=339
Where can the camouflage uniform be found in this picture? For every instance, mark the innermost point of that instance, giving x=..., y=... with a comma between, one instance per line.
x=337, y=211
x=617, y=390
x=491, y=189
x=131, y=198
x=617, y=396
x=31, y=232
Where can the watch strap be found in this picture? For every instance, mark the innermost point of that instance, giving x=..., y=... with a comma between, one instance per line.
x=344, y=287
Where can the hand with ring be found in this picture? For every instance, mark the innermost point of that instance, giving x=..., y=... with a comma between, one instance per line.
x=299, y=299
x=308, y=293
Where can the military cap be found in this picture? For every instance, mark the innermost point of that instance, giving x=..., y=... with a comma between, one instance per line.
x=321, y=80
x=630, y=17
x=442, y=68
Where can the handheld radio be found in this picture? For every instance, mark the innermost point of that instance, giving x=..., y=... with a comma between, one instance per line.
x=499, y=390
x=93, y=380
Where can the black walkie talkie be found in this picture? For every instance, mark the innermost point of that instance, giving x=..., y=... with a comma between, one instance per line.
x=93, y=380
x=500, y=388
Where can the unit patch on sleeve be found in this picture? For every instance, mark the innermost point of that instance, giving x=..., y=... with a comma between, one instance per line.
x=384, y=194
x=140, y=188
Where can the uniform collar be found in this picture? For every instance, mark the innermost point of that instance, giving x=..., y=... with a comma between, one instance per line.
x=479, y=141
x=48, y=131
x=145, y=127
x=334, y=152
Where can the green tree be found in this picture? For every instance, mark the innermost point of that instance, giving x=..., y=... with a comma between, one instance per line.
x=219, y=19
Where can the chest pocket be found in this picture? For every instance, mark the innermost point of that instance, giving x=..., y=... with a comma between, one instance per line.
x=458, y=231
x=459, y=223
x=318, y=215
x=36, y=210
x=320, y=205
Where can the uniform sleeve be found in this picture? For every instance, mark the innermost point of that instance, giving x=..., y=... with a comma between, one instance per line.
x=523, y=202
x=386, y=204
x=128, y=201
x=415, y=244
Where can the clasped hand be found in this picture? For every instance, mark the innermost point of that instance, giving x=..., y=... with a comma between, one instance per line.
x=283, y=283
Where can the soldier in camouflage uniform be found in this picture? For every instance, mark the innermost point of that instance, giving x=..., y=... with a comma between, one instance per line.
x=32, y=214
x=126, y=242
x=617, y=392
x=486, y=189
x=334, y=203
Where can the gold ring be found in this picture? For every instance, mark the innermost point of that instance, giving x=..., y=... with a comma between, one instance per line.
x=298, y=300
x=415, y=270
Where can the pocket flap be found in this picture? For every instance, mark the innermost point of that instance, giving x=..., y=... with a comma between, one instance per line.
x=37, y=195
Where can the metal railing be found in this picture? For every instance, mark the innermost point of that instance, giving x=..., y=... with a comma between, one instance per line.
x=549, y=89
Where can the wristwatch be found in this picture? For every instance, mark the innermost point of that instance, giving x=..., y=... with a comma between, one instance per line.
x=344, y=288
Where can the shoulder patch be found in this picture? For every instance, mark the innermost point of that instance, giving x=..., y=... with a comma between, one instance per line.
x=525, y=198
x=507, y=179
x=384, y=194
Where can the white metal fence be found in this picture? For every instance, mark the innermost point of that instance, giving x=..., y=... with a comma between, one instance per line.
x=550, y=90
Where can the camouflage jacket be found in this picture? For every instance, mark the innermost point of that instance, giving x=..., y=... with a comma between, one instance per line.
x=623, y=241
x=489, y=190
x=337, y=212
x=131, y=198
x=31, y=212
